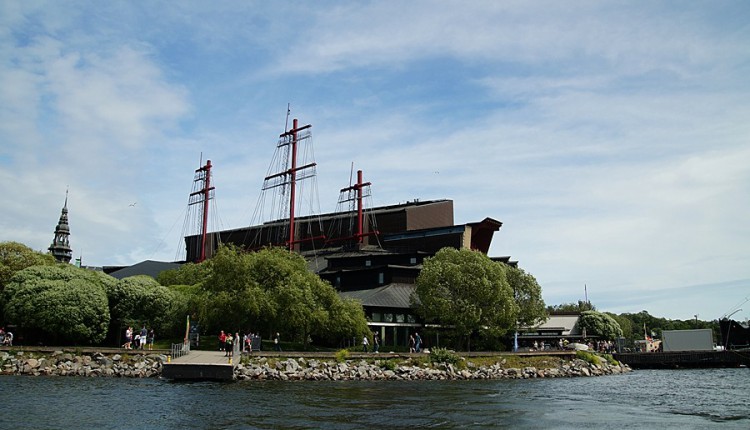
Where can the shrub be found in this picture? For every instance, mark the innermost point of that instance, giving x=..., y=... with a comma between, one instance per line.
x=611, y=360
x=388, y=364
x=588, y=357
x=443, y=355
x=342, y=355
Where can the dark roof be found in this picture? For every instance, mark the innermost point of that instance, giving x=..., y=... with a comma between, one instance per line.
x=395, y=295
x=148, y=267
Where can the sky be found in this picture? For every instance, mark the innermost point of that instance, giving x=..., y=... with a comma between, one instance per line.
x=611, y=138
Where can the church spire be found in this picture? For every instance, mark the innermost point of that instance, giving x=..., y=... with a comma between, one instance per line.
x=60, y=247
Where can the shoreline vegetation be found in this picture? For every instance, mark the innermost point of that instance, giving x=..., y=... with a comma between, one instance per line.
x=340, y=366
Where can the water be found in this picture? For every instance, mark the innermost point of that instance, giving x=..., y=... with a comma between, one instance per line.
x=664, y=399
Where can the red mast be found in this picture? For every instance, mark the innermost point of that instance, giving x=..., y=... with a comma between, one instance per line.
x=290, y=138
x=203, y=174
x=344, y=197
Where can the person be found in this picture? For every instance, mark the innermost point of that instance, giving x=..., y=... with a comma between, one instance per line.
x=128, y=337
x=151, y=336
x=375, y=342
x=417, y=342
x=228, y=345
x=365, y=342
x=8, y=338
x=222, y=341
x=137, y=341
x=411, y=343
x=144, y=335
x=277, y=342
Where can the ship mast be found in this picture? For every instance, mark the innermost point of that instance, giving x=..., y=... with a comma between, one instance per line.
x=289, y=177
x=203, y=195
x=360, y=190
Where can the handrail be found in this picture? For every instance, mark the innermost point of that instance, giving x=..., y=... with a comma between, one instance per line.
x=180, y=349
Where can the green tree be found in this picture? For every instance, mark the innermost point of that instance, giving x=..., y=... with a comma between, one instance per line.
x=272, y=290
x=528, y=295
x=16, y=256
x=599, y=324
x=140, y=300
x=581, y=306
x=58, y=304
x=187, y=274
x=466, y=292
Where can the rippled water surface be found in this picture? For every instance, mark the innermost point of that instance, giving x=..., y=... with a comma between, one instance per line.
x=685, y=399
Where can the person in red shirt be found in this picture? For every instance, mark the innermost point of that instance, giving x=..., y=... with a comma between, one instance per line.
x=222, y=341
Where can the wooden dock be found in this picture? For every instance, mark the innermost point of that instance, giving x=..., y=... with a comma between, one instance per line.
x=200, y=365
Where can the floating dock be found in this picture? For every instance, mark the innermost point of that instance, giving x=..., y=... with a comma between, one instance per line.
x=200, y=366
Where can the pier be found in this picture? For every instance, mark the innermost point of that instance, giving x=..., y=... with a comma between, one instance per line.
x=685, y=359
x=201, y=365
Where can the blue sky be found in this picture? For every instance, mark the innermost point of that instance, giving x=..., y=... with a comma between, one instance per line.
x=612, y=139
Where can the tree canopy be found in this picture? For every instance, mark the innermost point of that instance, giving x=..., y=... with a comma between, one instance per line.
x=467, y=292
x=528, y=295
x=16, y=256
x=140, y=300
x=267, y=291
x=59, y=303
x=599, y=324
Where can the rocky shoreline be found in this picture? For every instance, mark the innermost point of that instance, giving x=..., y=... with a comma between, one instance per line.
x=60, y=363
x=316, y=370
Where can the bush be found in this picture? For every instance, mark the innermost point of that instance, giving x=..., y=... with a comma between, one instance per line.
x=611, y=360
x=444, y=355
x=342, y=355
x=388, y=365
x=588, y=357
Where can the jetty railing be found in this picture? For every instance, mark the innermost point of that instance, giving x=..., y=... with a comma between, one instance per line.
x=180, y=349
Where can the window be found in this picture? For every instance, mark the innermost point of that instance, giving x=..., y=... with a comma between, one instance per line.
x=413, y=260
x=368, y=263
x=381, y=278
x=377, y=316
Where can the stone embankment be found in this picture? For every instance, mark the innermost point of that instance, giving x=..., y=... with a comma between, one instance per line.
x=60, y=363
x=301, y=369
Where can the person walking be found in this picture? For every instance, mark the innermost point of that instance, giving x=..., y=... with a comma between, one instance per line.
x=417, y=342
x=411, y=343
x=151, y=336
x=365, y=342
x=277, y=342
x=375, y=342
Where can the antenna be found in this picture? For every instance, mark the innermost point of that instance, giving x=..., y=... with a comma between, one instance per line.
x=734, y=309
x=351, y=173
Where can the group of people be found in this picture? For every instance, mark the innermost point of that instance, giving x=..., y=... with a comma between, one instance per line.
x=227, y=341
x=6, y=337
x=140, y=340
x=375, y=342
x=415, y=342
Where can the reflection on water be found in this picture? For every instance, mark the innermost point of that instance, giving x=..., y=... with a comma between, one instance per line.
x=642, y=399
